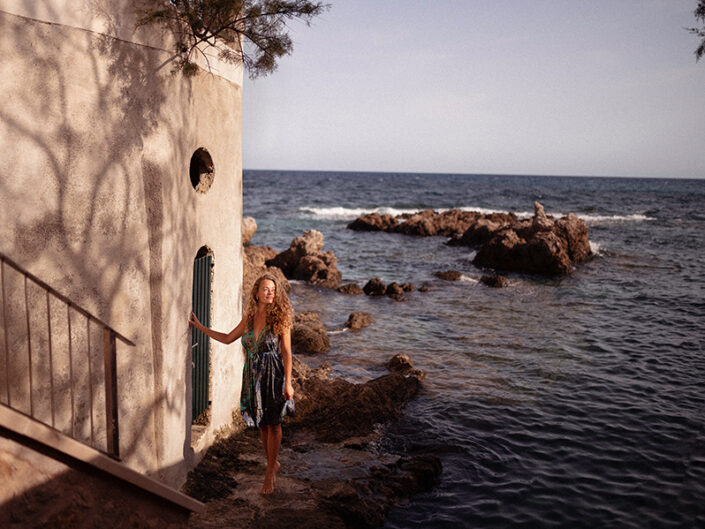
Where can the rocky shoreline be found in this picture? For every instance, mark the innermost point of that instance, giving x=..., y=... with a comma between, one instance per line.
x=334, y=472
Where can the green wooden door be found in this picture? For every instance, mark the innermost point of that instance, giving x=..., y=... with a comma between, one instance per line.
x=200, y=344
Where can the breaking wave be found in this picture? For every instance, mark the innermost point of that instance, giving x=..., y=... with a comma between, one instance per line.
x=343, y=213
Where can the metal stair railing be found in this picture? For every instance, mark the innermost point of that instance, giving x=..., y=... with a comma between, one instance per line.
x=25, y=360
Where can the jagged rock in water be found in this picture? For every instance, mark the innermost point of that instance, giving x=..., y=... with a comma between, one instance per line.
x=305, y=260
x=539, y=245
x=375, y=287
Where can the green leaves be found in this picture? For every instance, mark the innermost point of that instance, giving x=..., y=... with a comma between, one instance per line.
x=700, y=32
x=251, y=32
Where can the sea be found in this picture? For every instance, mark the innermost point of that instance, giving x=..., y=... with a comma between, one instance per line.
x=566, y=402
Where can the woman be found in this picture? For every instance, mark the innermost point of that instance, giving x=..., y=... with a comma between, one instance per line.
x=267, y=392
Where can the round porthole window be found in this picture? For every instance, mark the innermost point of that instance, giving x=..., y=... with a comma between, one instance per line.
x=201, y=170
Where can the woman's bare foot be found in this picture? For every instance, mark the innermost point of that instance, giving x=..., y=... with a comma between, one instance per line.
x=268, y=485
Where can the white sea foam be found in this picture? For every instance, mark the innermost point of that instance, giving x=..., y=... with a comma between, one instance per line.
x=343, y=213
x=595, y=247
x=338, y=331
x=468, y=279
x=488, y=211
x=597, y=219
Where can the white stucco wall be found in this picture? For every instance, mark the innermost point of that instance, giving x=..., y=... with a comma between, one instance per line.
x=96, y=137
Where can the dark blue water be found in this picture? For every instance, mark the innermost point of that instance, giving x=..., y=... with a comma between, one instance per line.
x=573, y=402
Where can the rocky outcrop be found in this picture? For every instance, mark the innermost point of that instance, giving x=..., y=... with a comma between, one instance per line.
x=574, y=233
x=358, y=320
x=426, y=223
x=309, y=335
x=334, y=423
x=450, y=223
x=334, y=409
x=539, y=245
x=305, y=260
x=479, y=232
x=373, y=222
x=249, y=227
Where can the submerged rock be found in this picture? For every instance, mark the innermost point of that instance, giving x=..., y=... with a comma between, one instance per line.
x=494, y=281
x=350, y=288
x=358, y=320
x=449, y=275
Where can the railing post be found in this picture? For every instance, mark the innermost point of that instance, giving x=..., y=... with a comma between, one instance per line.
x=4, y=322
x=111, y=400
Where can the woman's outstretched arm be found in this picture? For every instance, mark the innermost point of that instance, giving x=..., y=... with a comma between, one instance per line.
x=287, y=361
x=233, y=335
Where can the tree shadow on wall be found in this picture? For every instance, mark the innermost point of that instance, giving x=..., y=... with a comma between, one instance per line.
x=89, y=109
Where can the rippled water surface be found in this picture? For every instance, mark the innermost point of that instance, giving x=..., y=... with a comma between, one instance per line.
x=574, y=402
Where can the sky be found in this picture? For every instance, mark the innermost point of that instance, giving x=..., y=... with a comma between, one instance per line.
x=547, y=87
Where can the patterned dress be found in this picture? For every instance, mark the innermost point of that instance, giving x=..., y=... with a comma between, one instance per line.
x=262, y=400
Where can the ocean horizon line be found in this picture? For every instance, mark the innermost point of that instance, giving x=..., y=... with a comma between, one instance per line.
x=425, y=173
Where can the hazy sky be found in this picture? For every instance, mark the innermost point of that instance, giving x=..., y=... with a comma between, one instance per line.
x=555, y=87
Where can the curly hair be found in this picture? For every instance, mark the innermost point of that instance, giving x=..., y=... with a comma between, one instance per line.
x=280, y=313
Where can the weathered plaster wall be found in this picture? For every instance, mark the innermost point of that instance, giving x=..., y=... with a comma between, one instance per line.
x=96, y=136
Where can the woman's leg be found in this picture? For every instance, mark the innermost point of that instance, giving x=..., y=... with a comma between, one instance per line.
x=275, y=441
x=271, y=439
x=264, y=432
